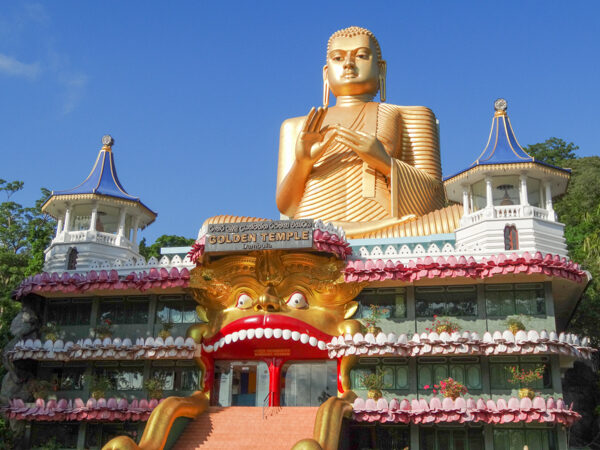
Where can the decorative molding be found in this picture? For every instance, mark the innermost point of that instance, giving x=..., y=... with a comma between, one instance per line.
x=461, y=344
x=105, y=349
x=461, y=410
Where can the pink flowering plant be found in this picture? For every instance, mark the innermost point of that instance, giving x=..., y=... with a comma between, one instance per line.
x=524, y=377
x=376, y=313
x=441, y=324
x=448, y=387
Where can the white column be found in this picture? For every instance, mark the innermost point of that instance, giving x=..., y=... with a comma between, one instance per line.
x=59, y=226
x=549, y=206
x=94, y=218
x=121, y=231
x=489, y=194
x=136, y=222
x=465, y=200
x=523, y=190
x=68, y=219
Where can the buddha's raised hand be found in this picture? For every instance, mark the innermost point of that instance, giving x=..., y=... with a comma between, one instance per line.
x=311, y=143
x=365, y=145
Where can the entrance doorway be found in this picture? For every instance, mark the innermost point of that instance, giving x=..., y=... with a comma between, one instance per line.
x=240, y=383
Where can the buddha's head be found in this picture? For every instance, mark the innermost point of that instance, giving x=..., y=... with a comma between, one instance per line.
x=354, y=64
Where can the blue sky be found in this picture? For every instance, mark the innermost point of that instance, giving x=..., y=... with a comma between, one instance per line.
x=194, y=92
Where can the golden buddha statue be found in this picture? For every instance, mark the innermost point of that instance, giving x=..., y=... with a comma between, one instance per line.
x=372, y=168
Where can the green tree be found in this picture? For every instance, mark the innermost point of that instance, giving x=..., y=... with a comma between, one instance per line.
x=553, y=151
x=579, y=210
x=166, y=240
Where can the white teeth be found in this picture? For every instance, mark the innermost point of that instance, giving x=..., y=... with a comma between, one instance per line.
x=268, y=333
x=234, y=336
x=321, y=345
x=228, y=339
x=286, y=334
x=277, y=333
x=313, y=341
x=304, y=338
x=259, y=332
x=295, y=335
x=242, y=334
x=251, y=333
x=216, y=346
x=208, y=348
x=222, y=342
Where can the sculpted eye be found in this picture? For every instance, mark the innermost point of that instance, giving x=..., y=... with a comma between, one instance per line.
x=244, y=301
x=297, y=300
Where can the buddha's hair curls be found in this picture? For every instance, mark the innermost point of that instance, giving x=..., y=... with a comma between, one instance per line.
x=355, y=31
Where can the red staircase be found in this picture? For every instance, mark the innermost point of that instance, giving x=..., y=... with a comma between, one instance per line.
x=238, y=427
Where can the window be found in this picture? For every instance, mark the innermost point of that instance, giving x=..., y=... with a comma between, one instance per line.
x=535, y=439
x=395, y=372
x=446, y=301
x=377, y=436
x=452, y=439
x=507, y=299
x=69, y=312
x=499, y=371
x=466, y=371
x=67, y=378
x=179, y=378
x=124, y=377
x=131, y=310
x=97, y=435
x=308, y=383
x=43, y=434
x=391, y=299
x=511, y=238
x=72, y=259
x=176, y=309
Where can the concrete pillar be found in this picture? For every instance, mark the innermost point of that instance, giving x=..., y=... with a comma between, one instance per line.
x=94, y=218
x=549, y=206
x=523, y=190
x=136, y=224
x=121, y=231
x=67, y=227
x=489, y=195
x=59, y=226
x=465, y=200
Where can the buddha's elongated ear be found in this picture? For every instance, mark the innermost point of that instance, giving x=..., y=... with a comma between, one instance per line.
x=382, y=75
x=325, y=87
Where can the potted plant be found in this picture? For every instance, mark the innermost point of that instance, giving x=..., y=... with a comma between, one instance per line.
x=51, y=331
x=98, y=385
x=525, y=379
x=448, y=387
x=374, y=383
x=39, y=388
x=441, y=324
x=155, y=387
x=376, y=313
x=516, y=323
x=165, y=332
x=103, y=329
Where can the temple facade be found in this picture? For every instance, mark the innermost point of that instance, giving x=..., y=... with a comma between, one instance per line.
x=289, y=328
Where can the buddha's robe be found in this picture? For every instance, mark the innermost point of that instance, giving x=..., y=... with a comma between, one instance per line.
x=343, y=189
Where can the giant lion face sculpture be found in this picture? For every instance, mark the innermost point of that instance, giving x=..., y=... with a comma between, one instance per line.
x=270, y=300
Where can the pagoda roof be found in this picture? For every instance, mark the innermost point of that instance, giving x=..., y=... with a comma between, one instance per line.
x=502, y=147
x=102, y=180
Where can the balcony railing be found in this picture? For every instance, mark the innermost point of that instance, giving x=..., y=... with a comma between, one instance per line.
x=508, y=212
x=98, y=237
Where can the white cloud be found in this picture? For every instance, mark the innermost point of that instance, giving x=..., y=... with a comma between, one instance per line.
x=13, y=67
x=74, y=89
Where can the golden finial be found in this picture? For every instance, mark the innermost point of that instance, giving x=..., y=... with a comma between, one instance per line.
x=107, y=142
